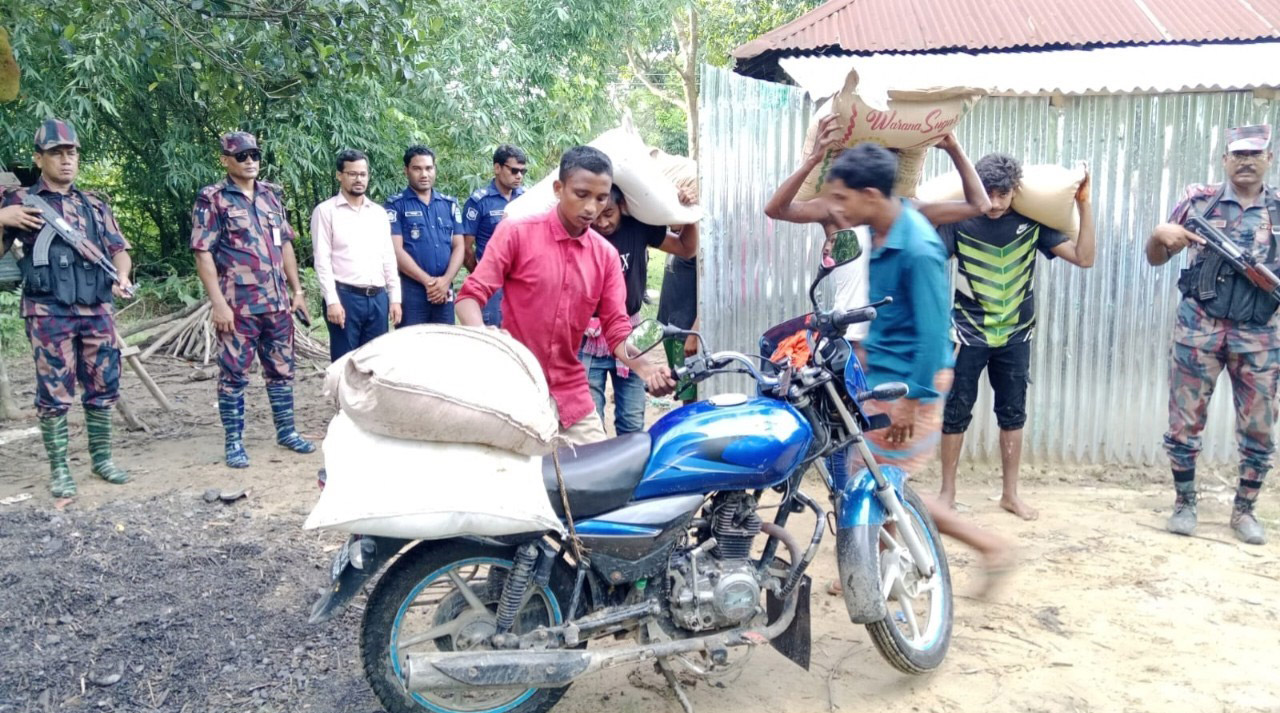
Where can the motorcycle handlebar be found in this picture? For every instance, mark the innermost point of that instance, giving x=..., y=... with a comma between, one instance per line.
x=853, y=316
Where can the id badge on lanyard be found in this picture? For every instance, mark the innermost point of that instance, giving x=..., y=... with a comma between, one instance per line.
x=275, y=235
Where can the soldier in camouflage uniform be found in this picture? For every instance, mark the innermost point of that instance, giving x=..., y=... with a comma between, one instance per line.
x=244, y=251
x=68, y=307
x=1246, y=341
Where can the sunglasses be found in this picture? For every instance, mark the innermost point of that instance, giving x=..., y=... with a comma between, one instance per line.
x=242, y=156
x=516, y=171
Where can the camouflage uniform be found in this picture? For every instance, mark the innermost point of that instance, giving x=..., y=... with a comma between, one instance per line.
x=1203, y=346
x=69, y=320
x=245, y=235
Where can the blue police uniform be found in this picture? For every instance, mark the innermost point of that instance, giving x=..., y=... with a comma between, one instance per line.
x=427, y=230
x=480, y=218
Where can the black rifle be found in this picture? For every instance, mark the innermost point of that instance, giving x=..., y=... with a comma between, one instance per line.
x=56, y=225
x=1240, y=261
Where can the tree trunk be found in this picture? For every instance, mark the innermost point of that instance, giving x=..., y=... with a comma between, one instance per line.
x=689, y=77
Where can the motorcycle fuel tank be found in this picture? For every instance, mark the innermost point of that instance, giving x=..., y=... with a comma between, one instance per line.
x=728, y=442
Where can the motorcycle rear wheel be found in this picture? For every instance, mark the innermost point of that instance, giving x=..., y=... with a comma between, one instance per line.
x=420, y=594
x=901, y=638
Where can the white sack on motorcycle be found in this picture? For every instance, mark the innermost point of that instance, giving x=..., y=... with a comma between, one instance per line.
x=391, y=487
x=435, y=382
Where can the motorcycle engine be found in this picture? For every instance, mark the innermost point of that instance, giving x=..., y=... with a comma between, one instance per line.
x=718, y=588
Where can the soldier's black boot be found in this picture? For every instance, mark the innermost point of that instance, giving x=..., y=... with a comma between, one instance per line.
x=1183, y=519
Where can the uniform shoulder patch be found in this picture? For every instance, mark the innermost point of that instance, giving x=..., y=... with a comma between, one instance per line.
x=391, y=215
x=479, y=193
x=208, y=193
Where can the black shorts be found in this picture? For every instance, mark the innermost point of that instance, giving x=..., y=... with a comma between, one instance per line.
x=1008, y=369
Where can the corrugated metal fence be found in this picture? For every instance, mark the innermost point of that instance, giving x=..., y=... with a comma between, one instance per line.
x=1101, y=349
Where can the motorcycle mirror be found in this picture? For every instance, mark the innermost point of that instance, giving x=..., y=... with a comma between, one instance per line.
x=841, y=248
x=644, y=337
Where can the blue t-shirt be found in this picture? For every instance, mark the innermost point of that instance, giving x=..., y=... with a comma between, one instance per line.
x=908, y=340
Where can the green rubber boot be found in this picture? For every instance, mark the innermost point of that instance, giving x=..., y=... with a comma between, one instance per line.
x=54, y=431
x=98, y=423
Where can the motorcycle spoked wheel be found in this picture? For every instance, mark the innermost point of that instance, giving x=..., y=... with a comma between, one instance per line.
x=419, y=605
x=916, y=634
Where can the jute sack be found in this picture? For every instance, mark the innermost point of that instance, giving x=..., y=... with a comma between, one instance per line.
x=912, y=122
x=680, y=170
x=376, y=485
x=1047, y=194
x=10, y=75
x=651, y=196
x=435, y=382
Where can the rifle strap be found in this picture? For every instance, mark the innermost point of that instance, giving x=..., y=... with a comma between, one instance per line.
x=85, y=212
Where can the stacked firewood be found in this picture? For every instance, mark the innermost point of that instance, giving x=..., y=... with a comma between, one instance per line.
x=189, y=334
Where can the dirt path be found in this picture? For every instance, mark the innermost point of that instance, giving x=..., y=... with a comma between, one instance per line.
x=202, y=607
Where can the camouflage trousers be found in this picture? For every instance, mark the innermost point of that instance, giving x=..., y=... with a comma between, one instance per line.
x=270, y=336
x=1254, y=377
x=68, y=349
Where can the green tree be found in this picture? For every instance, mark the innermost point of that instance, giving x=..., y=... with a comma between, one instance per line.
x=666, y=59
x=150, y=84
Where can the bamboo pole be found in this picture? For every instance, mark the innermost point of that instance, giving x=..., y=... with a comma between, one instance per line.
x=138, y=327
x=173, y=331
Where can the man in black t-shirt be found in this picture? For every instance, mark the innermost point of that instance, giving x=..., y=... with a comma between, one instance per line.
x=994, y=315
x=632, y=239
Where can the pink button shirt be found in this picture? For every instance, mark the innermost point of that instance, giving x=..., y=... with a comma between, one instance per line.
x=353, y=246
x=553, y=284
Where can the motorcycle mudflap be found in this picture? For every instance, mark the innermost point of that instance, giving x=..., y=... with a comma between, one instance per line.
x=347, y=581
x=794, y=643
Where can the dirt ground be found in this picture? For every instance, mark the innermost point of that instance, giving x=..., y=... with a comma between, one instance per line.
x=145, y=597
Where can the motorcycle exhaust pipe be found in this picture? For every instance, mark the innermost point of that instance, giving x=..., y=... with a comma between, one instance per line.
x=443, y=670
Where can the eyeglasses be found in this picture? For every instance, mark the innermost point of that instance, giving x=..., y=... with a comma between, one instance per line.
x=250, y=155
x=516, y=171
x=356, y=174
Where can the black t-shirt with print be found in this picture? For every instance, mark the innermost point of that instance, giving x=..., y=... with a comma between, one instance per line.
x=633, y=240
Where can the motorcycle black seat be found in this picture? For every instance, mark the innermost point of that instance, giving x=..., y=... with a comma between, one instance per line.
x=599, y=477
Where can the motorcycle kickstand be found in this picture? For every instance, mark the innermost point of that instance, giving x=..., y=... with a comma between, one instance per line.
x=664, y=665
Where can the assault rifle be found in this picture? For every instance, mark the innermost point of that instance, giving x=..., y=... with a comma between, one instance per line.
x=1240, y=261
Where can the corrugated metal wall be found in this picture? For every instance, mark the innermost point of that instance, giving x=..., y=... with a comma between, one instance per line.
x=1101, y=350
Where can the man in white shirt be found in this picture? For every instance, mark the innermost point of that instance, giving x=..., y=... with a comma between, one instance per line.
x=355, y=260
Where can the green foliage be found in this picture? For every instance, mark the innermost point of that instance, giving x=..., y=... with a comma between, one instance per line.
x=13, y=333
x=151, y=84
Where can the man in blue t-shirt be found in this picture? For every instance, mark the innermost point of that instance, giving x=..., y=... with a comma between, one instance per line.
x=907, y=342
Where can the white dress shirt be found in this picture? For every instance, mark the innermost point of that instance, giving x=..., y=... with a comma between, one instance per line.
x=352, y=245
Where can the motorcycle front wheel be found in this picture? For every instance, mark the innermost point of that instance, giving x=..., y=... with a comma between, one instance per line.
x=916, y=634
x=443, y=596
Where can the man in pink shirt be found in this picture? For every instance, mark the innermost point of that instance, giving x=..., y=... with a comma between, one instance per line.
x=557, y=272
x=355, y=260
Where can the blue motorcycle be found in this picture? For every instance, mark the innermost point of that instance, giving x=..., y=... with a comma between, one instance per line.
x=668, y=546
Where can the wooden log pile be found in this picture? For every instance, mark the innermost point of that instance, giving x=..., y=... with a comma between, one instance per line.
x=189, y=334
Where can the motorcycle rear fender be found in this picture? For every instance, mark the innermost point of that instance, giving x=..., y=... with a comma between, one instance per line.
x=346, y=584
x=859, y=515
